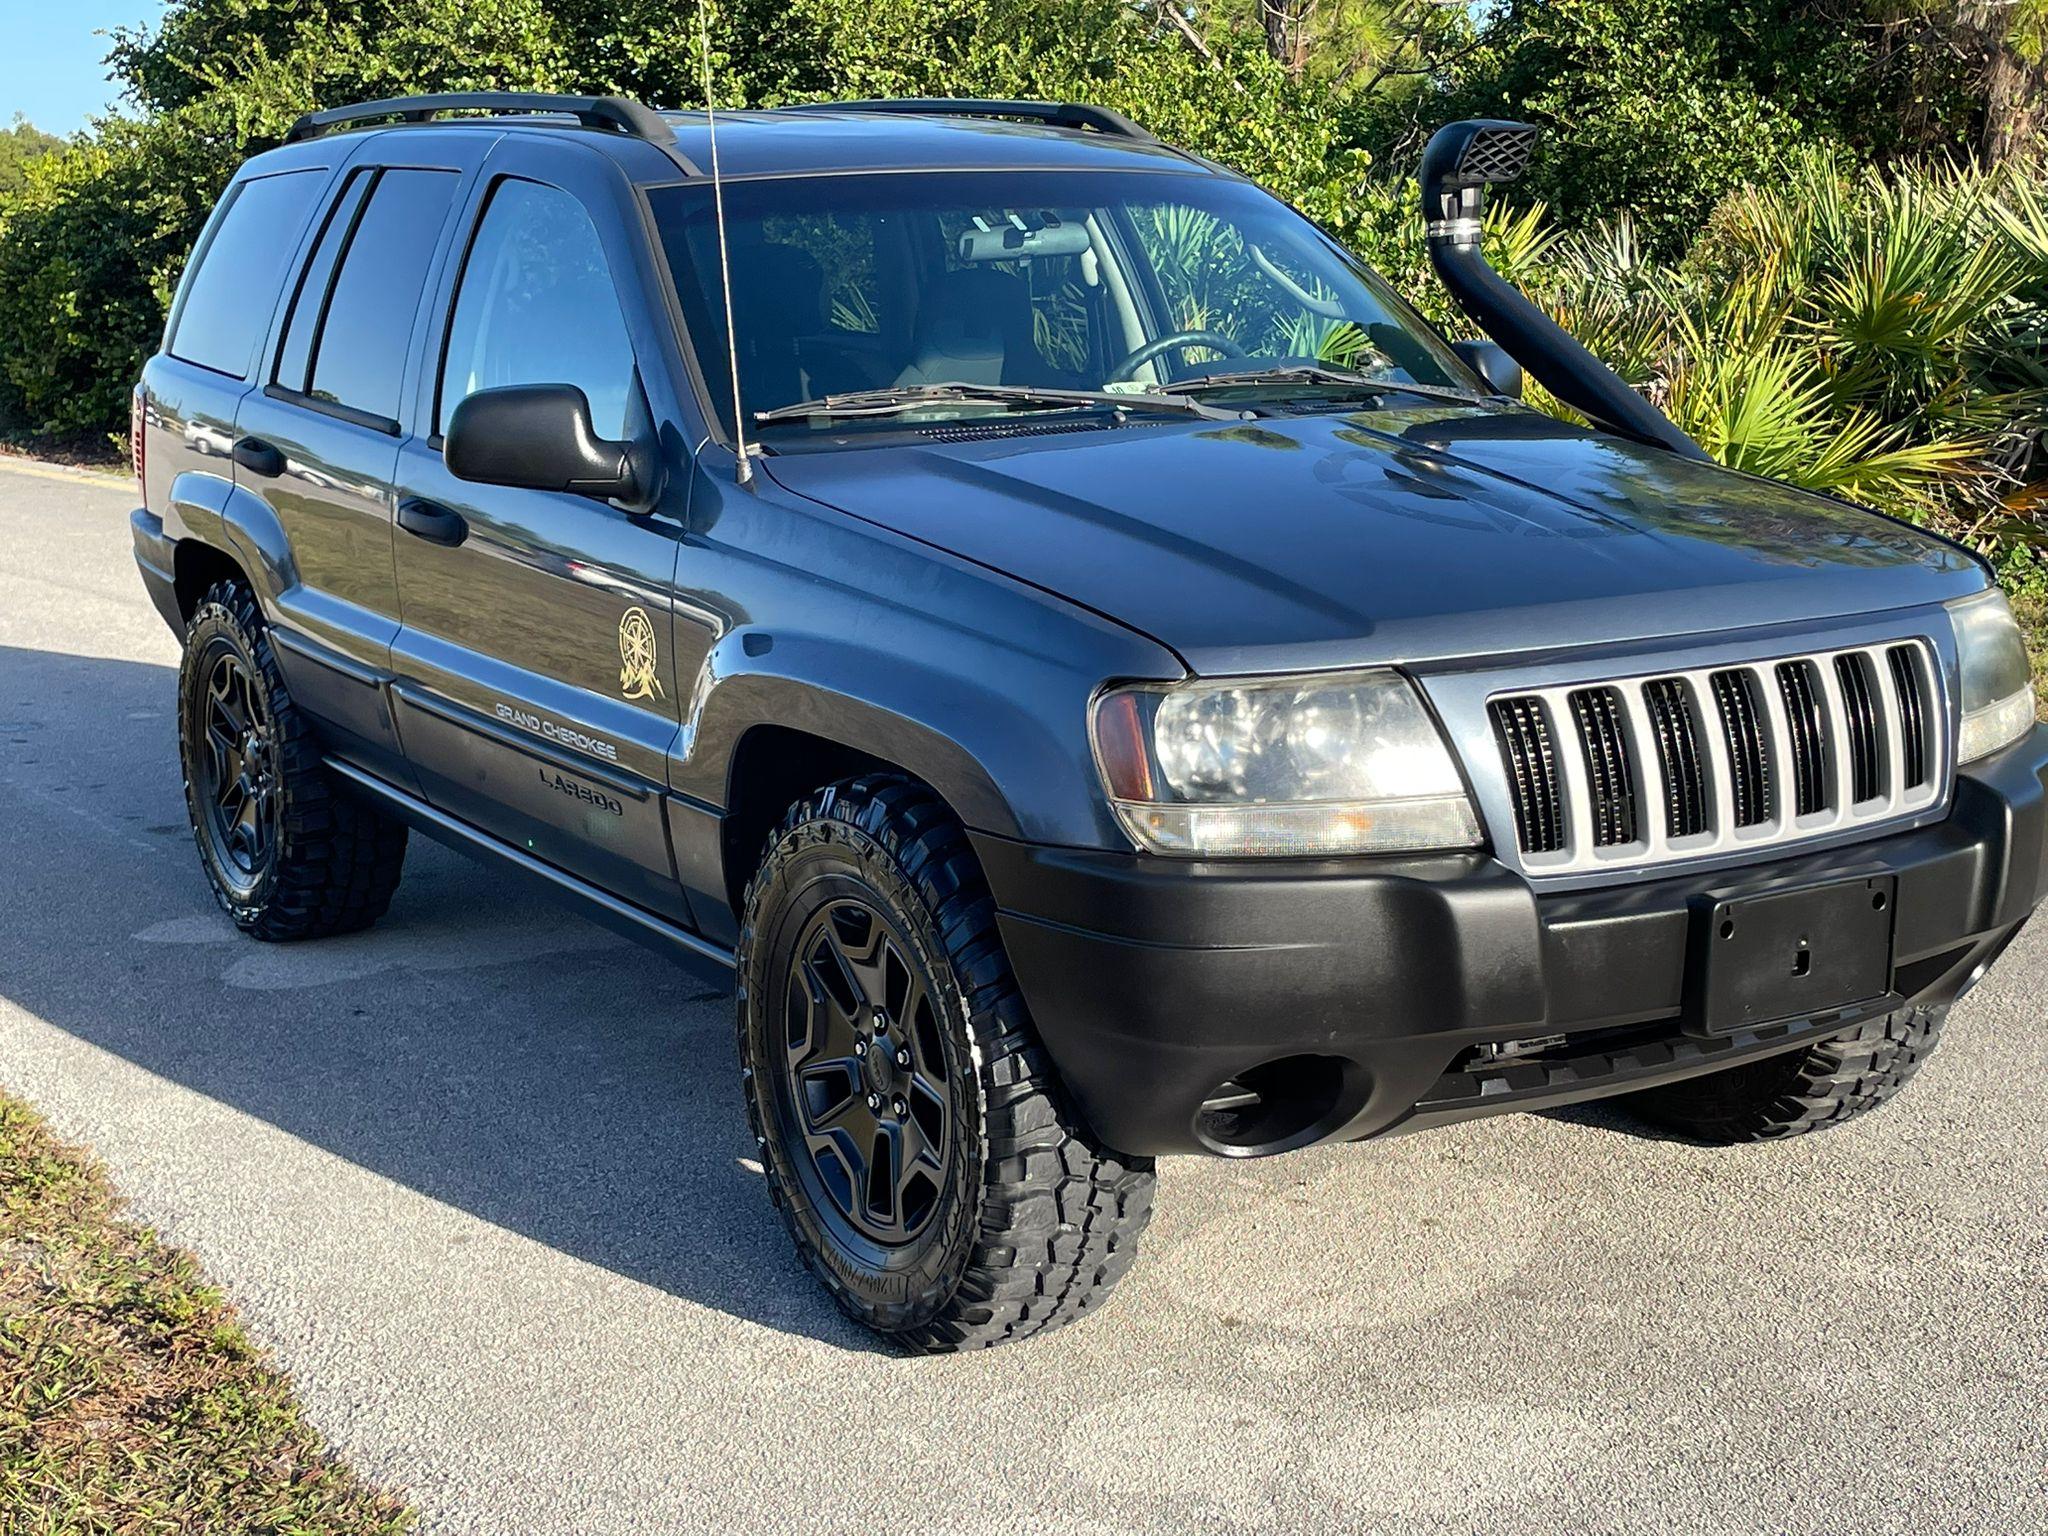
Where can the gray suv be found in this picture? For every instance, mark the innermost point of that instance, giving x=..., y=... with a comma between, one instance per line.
x=1098, y=672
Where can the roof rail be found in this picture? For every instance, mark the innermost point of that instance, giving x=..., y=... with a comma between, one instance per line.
x=1058, y=114
x=614, y=112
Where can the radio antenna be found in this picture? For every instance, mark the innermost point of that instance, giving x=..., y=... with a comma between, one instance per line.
x=745, y=473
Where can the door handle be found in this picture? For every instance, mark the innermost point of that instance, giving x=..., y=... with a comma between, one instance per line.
x=258, y=457
x=431, y=521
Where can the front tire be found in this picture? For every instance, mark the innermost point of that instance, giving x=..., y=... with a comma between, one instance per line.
x=289, y=856
x=912, y=1131
x=1800, y=1091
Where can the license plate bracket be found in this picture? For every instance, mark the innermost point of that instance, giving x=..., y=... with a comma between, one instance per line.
x=1763, y=957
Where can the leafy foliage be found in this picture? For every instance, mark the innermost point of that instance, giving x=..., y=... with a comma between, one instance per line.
x=1877, y=336
x=18, y=146
x=1703, y=213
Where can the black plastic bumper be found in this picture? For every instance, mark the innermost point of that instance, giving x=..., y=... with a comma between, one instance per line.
x=1351, y=996
x=156, y=559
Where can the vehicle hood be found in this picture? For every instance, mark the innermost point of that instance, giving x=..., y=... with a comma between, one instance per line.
x=1392, y=535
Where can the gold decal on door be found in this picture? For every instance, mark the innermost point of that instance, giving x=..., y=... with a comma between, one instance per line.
x=637, y=657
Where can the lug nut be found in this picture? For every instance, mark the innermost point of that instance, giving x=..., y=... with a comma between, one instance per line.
x=902, y=1107
x=860, y=1045
x=902, y=1056
x=874, y=1101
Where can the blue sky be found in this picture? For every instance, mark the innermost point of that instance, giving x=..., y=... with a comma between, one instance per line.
x=50, y=67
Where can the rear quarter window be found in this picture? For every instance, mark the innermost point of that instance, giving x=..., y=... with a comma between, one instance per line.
x=239, y=270
x=360, y=351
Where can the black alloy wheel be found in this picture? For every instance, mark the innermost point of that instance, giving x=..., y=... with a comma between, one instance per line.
x=913, y=1134
x=867, y=1075
x=288, y=854
x=236, y=771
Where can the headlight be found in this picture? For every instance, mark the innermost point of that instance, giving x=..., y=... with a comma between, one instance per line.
x=1998, y=689
x=1323, y=764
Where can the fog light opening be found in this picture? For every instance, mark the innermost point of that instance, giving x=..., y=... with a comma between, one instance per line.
x=1278, y=1105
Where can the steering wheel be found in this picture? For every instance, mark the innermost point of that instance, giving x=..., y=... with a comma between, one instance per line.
x=1144, y=352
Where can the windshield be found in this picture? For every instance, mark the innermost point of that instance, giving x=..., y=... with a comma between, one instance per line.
x=1129, y=282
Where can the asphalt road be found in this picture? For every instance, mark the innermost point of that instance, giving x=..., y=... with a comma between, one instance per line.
x=481, y=1178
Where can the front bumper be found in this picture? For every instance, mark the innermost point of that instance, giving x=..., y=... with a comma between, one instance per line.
x=1351, y=994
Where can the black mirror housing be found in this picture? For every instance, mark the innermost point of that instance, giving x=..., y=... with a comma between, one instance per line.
x=539, y=437
x=1490, y=360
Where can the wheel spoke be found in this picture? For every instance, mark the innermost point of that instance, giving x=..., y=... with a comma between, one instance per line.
x=861, y=952
x=865, y=1073
x=828, y=1030
x=821, y=1109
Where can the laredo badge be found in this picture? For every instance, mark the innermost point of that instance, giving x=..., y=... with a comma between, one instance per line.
x=637, y=657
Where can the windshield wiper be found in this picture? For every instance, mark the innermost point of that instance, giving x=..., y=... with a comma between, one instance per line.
x=910, y=397
x=1316, y=373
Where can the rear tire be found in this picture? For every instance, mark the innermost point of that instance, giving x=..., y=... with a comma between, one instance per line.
x=288, y=854
x=1800, y=1091
x=912, y=1131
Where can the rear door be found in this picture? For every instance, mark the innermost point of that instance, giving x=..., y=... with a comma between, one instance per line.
x=537, y=690
x=319, y=441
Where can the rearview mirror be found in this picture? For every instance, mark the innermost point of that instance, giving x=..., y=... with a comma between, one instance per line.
x=1490, y=360
x=540, y=437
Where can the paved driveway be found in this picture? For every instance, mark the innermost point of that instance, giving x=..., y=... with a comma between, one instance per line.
x=481, y=1177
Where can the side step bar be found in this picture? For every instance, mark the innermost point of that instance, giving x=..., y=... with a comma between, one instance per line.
x=698, y=954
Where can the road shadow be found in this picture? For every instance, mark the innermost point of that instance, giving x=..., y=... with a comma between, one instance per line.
x=481, y=1045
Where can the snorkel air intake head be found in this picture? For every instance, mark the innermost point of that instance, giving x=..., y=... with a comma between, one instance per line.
x=1461, y=160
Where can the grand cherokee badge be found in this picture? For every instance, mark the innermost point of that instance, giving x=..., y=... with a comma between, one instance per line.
x=636, y=656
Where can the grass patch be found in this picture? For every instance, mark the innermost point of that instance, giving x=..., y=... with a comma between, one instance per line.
x=131, y=1398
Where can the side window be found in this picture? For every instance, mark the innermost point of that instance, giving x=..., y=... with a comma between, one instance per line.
x=309, y=302
x=537, y=305
x=359, y=351
x=228, y=301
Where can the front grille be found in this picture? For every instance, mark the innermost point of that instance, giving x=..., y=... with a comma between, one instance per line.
x=1912, y=714
x=1860, y=711
x=1687, y=764
x=1678, y=756
x=1805, y=735
x=1525, y=749
x=1608, y=771
x=1742, y=731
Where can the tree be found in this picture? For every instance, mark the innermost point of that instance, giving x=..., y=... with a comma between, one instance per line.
x=1999, y=47
x=19, y=145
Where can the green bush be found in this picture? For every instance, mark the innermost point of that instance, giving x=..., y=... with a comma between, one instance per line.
x=90, y=248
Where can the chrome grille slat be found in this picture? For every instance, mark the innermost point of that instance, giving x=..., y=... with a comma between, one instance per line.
x=1677, y=765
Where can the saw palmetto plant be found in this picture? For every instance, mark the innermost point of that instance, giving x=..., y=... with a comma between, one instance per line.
x=1879, y=335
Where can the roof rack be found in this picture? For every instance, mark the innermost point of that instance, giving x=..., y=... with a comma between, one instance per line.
x=1058, y=114
x=614, y=112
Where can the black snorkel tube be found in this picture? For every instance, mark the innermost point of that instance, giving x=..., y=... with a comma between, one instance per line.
x=1460, y=161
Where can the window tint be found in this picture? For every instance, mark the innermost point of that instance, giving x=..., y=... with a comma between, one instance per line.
x=228, y=302
x=537, y=306
x=295, y=357
x=1032, y=278
x=359, y=359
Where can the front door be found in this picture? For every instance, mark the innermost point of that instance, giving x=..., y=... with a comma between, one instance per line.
x=318, y=439
x=537, y=692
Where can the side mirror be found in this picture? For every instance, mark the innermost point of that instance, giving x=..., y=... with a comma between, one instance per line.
x=1489, y=359
x=540, y=437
